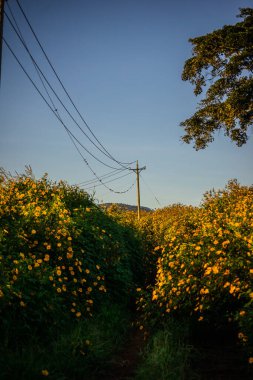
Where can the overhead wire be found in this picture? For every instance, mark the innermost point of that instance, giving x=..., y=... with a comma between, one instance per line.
x=44, y=77
x=111, y=180
x=55, y=111
x=102, y=183
x=151, y=191
x=104, y=176
x=33, y=61
x=66, y=92
x=72, y=137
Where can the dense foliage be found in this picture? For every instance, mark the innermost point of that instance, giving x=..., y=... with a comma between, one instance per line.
x=205, y=264
x=61, y=259
x=71, y=271
x=223, y=60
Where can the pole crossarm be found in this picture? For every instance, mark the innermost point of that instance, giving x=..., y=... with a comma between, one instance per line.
x=139, y=169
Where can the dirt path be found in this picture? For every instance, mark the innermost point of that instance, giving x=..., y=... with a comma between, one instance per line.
x=123, y=366
x=218, y=357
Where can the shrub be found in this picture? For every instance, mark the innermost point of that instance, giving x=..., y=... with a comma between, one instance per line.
x=61, y=257
x=205, y=267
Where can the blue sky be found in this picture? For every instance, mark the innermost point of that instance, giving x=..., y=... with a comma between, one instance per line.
x=121, y=62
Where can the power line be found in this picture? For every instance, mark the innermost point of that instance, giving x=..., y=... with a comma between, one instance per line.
x=56, y=113
x=151, y=191
x=73, y=138
x=66, y=92
x=102, y=183
x=104, y=176
x=112, y=180
x=55, y=110
x=35, y=66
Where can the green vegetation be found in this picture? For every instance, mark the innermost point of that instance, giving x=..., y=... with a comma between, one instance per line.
x=75, y=277
x=62, y=262
x=222, y=61
x=168, y=353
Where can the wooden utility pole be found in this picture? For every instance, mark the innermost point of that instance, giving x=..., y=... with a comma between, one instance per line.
x=1, y=32
x=138, y=170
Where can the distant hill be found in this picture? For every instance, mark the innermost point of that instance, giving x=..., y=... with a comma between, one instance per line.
x=126, y=207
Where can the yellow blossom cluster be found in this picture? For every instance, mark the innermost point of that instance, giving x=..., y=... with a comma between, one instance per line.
x=205, y=260
x=43, y=268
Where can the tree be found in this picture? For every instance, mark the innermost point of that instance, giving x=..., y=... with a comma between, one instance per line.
x=223, y=60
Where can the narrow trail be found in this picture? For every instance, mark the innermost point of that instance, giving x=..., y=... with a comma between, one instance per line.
x=218, y=357
x=123, y=365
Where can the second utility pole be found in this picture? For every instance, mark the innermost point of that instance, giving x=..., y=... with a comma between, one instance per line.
x=137, y=170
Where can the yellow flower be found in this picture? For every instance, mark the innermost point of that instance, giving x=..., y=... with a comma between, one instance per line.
x=251, y=360
x=22, y=304
x=45, y=372
x=242, y=337
x=204, y=291
x=33, y=232
x=78, y=314
x=154, y=296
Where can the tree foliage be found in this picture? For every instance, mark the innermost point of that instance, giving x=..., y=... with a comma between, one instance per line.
x=222, y=61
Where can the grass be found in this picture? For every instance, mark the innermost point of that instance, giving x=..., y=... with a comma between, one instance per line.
x=167, y=355
x=82, y=351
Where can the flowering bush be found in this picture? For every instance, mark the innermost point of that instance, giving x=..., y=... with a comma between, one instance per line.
x=60, y=255
x=205, y=265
